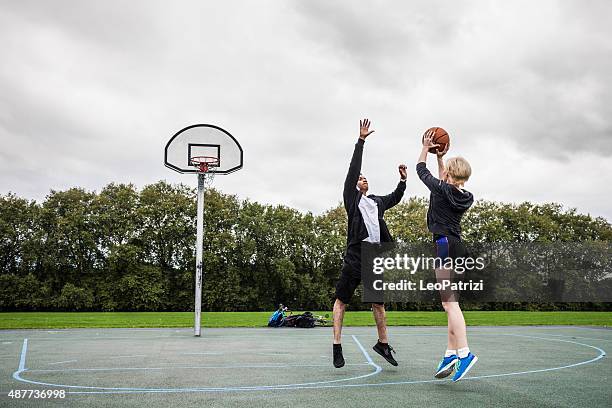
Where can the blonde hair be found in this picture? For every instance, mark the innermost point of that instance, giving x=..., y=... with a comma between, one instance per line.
x=459, y=169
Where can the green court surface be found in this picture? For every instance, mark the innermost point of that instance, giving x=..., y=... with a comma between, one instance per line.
x=554, y=366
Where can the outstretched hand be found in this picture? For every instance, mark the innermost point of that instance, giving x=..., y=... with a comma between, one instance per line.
x=402, y=171
x=364, y=126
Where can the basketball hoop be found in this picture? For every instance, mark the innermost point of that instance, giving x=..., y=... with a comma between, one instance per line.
x=203, y=165
x=205, y=150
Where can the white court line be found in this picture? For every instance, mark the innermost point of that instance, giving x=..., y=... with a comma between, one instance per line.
x=24, y=350
x=62, y=362
x=312, y=385
x=433, y=331
x=273, y=354
x=137, y=355
x=212, y=353
x=367, y=356
x=17, y=376
x=185, y=367
x=600, y=356
x=577, y=337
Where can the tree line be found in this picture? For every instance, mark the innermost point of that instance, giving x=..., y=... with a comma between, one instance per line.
x=124, y=249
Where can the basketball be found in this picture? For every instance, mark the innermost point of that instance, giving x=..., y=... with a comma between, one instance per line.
x=440, y=137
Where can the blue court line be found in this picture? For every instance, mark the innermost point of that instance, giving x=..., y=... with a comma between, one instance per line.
x=313, y=385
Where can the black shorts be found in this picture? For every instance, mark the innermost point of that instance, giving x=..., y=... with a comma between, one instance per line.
x=349, y=279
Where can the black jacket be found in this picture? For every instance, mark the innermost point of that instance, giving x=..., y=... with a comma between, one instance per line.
x=357, y=230
x=446, y=204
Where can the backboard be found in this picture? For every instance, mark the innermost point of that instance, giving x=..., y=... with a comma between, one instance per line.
x=203, y=140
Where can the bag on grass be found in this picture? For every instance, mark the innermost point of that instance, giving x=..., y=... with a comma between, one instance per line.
x=304, y=321
x=276, y=320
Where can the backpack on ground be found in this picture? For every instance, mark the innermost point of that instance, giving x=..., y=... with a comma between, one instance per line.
x=277, y=318
x=303, y=321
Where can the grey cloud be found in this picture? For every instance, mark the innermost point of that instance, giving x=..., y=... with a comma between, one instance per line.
x=291, y=80
x=548, y=74
x=111, y=23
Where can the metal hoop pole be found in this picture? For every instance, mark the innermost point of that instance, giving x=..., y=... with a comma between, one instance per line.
x=199, y=248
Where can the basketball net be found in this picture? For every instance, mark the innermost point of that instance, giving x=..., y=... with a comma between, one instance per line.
x=204, y=165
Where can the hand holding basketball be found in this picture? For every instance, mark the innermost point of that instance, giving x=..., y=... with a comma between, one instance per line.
x=440, y=154
x=428, y=140
x=364, y=126
x=438, y=139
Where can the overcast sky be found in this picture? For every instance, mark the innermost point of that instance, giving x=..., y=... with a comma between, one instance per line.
x=90, y=92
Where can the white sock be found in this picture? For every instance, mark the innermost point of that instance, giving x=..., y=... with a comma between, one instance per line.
x=463, y=352
x=450, y=353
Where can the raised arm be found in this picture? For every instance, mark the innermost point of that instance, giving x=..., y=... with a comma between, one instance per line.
x=440, y=158
x=427, y=144
x=432, y=183
x=352, y=177
x=391, y=200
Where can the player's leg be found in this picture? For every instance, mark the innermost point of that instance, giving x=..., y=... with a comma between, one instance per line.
x=458, y=332
x=446, y=365
x=382, y=347
x=456, y=321
x=457, y=357
x=378, y=310
x=451, y=342
x=339, y=309
x=455, y=331
x=345, y=287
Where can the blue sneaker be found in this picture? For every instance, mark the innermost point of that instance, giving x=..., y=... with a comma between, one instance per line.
x=446, y=366
x=463, y=366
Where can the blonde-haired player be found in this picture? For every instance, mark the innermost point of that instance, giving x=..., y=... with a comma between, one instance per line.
x=447, y=203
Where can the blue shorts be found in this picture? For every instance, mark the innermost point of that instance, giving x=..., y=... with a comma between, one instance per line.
x=449, y=247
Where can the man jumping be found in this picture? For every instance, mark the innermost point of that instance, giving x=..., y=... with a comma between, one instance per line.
x=365, y=223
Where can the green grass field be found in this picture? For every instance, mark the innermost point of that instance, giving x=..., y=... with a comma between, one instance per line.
x=57, y=320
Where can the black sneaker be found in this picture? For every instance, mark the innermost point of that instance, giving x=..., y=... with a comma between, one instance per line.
x=338, y=358
x=385, y=350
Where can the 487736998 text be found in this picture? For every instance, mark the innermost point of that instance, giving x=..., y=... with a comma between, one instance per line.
x=37, y=394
